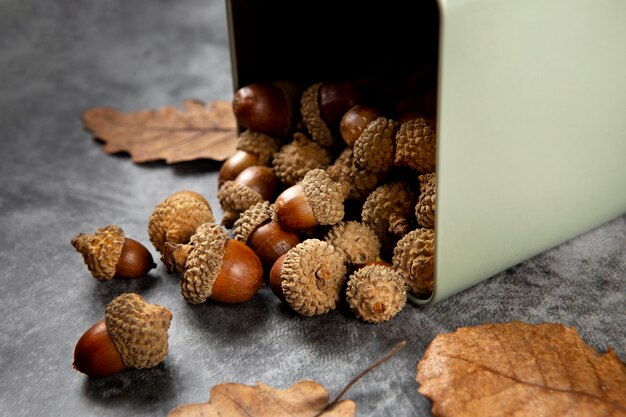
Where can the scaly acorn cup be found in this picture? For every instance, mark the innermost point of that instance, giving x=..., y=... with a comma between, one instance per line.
x=316, y=200
x=322, y=105
x=356, y=241
x=215, y=266
x=376, y=293
x=108, y=253
x=414, y=259
x=416, y=145
x=426, y=203
x=177, y=217
x=133, y=334
x=309, y=277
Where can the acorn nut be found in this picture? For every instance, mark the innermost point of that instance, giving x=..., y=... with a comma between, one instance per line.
x=253, y=185
x=354, y=122
x=133, y=334
x=176, y=218
x=108, y=254
x=265, y=237
x=322, y=105
x=269, y=108
x=215, y=266
x=316, y=200
x=253, y=148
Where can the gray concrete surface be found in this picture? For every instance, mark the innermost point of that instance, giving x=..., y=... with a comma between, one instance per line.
x=60, y=57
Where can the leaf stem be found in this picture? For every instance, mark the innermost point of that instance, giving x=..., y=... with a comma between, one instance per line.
x=397, y=348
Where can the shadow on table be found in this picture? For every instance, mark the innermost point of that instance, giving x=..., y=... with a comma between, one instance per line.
x=133, y=387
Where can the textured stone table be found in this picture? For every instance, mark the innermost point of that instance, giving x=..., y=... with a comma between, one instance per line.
x=60, y=57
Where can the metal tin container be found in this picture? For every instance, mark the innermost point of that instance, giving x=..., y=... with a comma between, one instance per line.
x=531, y=108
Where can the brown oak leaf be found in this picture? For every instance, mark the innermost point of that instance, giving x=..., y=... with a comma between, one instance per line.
x=303, y=399
x=198, y=131
x=520, y=369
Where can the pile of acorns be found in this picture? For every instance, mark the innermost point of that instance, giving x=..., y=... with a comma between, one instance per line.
x=335, y=197
x=326, y=197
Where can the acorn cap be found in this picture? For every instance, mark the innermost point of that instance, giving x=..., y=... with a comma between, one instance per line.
x=138, y=330
x=374, y=149
x=296, y=158
x=414, y=259
x=101, y=250
x=376, y=293
x=259, y=144
x=176, y=218
x=236, y=198
x=416, y=143
x=312, y=276
x=425, y=207
x=340, y=170
x=312, y=117
x=356, y=241
x=253, y=217
x=363, y=182
x=203, y=263
x=324, y=195
x=387, y=210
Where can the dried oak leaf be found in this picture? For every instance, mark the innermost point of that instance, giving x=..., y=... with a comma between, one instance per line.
x=303, y=399
x=198, y=131
x=519, y=369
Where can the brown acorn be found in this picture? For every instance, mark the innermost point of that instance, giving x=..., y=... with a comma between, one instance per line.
x=253, y=148
x=265, y=237
x=269, y=108
x=133, y=334
x=354, y=122
x=215, y=266
x=309, y=277
x=253, y=185
x=316, y=200
x=108, y=254
x=323, y=104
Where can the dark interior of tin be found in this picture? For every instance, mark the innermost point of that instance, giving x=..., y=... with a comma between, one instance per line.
x=306, y=42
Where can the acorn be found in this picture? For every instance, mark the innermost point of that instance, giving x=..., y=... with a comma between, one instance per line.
x=269, y=108
x=354, y=122
x=296, y=158
x=387, y=210
x=376, y=293
x=426, y=207
x=108, y=253
x=322, y=105
x=215, y=266
x=309, y=277
x=374, y=150
x=316, y=200
x=253, y=185
x=264, y=236
x=176, y=218
x=416, y=144
x=253, y=148
x=356, y=241
x=414, y=259
x=133, y=334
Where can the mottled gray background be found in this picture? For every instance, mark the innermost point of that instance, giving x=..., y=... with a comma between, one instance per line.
x=60, y=57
